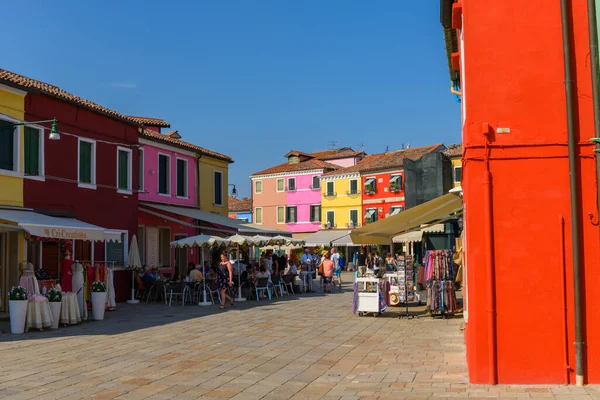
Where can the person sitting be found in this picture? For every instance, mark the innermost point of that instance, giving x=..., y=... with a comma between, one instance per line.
x=195, y=274
x=246, y=274
x=263, y=272
x=212, y=274
x=291, y=269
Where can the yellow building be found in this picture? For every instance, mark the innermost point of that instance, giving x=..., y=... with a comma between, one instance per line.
x=454, y=153
x=341, y=200
x=214, y=181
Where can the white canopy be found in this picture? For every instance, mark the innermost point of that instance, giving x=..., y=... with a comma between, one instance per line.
x=202, y=241
x=243, y=240
x=325, y=237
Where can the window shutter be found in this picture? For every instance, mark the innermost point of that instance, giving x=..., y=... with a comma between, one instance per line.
x=7, y=139
x=32, y=151
x=123, y=170
x=354, y=186
x=181, y=177
x=218, y=195
x=140, y=170
x=163, y=168
x=85, y=162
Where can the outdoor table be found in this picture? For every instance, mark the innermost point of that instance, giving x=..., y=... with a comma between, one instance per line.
x=69, y=311
x=39, y=315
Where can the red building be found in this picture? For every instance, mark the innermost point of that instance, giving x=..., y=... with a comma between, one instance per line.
x=532, y=309
x=383, y=181
x=89, y=174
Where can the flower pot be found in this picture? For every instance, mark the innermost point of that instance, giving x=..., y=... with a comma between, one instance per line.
x=55, y=309
x=18, y=313
x=98, y=305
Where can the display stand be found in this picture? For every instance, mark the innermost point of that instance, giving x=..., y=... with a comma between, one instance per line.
x=406, y=283
x=368, y=296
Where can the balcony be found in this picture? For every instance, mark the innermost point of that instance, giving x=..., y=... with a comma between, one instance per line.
x=353, y=192
x=329, y=225
x=329, y=194
x=395, y=189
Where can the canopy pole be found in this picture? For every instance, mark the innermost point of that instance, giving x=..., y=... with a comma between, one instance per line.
x=239, y=266
x=204, y=302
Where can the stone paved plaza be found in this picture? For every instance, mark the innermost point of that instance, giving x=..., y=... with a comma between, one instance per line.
x=306, y=347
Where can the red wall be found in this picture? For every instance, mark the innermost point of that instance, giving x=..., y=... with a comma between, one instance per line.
x=383, y=198
x=104, y=206
x=513, y=77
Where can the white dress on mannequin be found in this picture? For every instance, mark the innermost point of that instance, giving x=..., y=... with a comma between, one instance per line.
x=110, y=289
x=78, y=283
x=28, y=280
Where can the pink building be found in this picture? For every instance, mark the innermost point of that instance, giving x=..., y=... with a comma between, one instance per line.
x=288, y=196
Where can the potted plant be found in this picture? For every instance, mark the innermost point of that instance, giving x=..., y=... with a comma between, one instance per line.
x=54, y=296
x=98, y=300
x=17, y=304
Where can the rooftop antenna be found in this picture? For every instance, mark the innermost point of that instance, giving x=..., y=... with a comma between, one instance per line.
x=332, y=144
x=408, y=146
x=402, y=146
x=387, y=148
x=362, y=146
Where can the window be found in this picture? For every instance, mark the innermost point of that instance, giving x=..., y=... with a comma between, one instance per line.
x=280, y=185
x=164, y=248
x=164, y=172
x=457, y=174
x=258, y=215
x=87, y=163
x=291, y=215
x=8, y=146
x=124, y=169
x=395, y=210
x=315, y=213
x=316, y=182
x=116, y=251
x=353, y=186
x=330, y=187
x=258, y=187
x=218, y=182
x=33, y=153
x=292, y=184
x=396, y=183
x=280, y=215
x=330, y=219
x=353, y=218
x=370, y=215
x=182, y=177
x=140, y=170
x=370, y=185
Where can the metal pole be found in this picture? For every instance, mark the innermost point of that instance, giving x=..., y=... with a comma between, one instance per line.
x=239, y=266
x=204, y=301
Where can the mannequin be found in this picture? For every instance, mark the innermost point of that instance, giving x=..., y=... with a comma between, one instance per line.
x=66, y=273
x=28, y=279
x=78, y=288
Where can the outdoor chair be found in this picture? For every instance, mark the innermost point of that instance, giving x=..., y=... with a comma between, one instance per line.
x=288, y=282
x=262, y=285
x=141, y=288
x=157, y=290
x=178, y=290
x=279, y=286
x=212, y=291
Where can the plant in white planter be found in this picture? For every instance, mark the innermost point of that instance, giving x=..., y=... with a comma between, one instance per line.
x=17, y=304
x=54, y=296
x=98, y=300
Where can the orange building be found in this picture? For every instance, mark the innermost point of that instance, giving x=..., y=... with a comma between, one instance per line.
x=529, y=180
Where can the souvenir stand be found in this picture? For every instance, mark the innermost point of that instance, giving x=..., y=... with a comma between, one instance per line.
x=439, y=273
x=405, y=281
x=369, y=297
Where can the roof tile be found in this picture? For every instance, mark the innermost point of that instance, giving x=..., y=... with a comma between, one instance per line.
x=148, y=121
x=454, y=150
x=301, y=166
x=244, y=204
x=167, y=139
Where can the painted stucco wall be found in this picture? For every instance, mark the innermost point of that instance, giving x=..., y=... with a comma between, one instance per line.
x=303, y=197
x=456, y=162
x=208, y=166
x=150, y=193
x=268, y=200
x=383, y=199
x=342, y=202
x=12, y=106
x=343, y=162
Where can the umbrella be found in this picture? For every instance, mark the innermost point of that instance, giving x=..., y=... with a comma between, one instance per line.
x=245, y=241
x=202, y=241
x=134, y=262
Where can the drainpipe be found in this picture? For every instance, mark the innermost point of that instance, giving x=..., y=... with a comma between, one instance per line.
x=566, y=36
x=489, y=253
x=198, y=191
x=593, y=35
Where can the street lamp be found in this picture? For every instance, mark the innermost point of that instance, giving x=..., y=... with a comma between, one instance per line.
x=54, y=134
x=233, y=191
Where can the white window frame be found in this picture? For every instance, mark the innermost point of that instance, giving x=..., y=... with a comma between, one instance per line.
x=393, y=208
x=396, y=176
x=356, y=223
x=261, y=187
x=168, y=194
x=216, y=171
x=327, y=218
x=277, y=185
x=295, y=215
x=93, y=164
x=42, y=171
x=374, y=213
x=277, y=215
x=313, y=182
x=288, y=182
x=129, y=189
x=185, y=185
x=454, y=174
x=350, y=187
x=327, y=189
x=16, y=171
x=256, y=221
x=141, y=170
x=125, y=242
x=320, y=213
x=367, y=179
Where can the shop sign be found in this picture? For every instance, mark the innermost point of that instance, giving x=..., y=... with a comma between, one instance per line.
x=58, y=233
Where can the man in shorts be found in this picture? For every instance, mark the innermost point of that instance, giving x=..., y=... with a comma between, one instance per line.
x=337, y=272
x=362, y=263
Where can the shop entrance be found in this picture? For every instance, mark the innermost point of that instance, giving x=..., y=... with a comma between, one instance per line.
x=181, y=258
x=9, y=265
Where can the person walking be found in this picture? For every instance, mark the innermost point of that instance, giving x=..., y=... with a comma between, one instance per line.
x=328, y=269
x=390, y=263
x=361, y=261
x=335, y=257
x=224, y=280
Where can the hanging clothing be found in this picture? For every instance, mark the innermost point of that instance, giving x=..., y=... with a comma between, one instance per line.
x=66, y=281
x=110, y=289
x=78, y=284
x=28, y=279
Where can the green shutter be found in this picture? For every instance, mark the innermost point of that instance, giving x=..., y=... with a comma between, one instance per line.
x=85, y=162
x=123, y=170
x=181, y=175
x=32, y=151
x=163, y=168
x=7, y=139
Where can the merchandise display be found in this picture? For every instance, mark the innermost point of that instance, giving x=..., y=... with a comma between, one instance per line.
x=439, y=273
x=370, y=296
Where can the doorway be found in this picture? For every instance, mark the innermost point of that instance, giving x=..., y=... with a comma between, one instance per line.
x=181, y=258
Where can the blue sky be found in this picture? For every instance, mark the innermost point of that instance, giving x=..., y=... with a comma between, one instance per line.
x=249, y=78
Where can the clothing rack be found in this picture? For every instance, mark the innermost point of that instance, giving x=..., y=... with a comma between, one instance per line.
x=439, y=274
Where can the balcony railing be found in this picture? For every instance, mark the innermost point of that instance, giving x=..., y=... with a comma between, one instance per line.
x=353, y=192
x=329, y=194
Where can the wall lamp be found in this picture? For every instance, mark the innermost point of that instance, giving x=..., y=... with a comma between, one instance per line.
x=54, y=134
x=233, y=191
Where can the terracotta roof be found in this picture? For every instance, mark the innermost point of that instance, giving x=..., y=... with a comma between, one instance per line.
x=301, y=166
x=31, y=85
x=454, y=150
x=298, y=153
x=150, y=121
x=167, y=139
x=173, y=134
x=244, y=204
x=391, y=159
x=332, y=154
